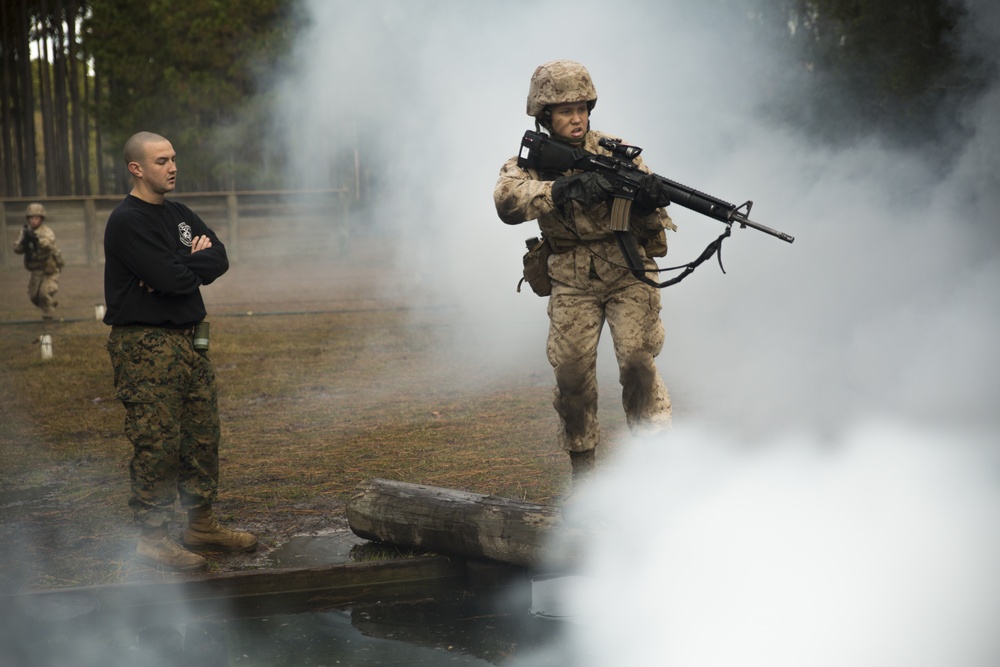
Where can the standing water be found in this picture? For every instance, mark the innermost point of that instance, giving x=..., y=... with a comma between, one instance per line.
x=480, y=616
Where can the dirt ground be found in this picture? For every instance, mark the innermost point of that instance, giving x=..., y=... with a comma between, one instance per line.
x=323, y=381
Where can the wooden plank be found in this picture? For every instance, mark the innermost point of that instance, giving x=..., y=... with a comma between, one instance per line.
x=340, y=583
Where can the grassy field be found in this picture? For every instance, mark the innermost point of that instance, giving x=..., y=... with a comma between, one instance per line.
x=320, y=388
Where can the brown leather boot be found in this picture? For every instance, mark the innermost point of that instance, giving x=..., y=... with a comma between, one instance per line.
x=583, y=465
x=156, y=548
x=205, y=534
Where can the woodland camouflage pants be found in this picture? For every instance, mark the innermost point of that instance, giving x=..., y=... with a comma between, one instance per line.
x=171, y=418
x=576, y=318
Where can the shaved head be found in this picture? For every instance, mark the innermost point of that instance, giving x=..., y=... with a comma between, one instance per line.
x=152, y=163
x=135, y=147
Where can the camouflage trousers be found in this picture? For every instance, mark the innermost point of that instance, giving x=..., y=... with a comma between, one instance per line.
x=576, y=319
x=171, y=419
x=42, y=288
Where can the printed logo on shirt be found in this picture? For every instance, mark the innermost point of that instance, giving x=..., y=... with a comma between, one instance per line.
x=185, y=233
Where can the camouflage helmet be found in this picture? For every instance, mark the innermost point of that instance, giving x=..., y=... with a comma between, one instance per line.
x=34, y=209
x=557, y=82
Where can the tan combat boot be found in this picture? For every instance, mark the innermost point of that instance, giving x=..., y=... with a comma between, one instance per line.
x=156, y=548
x=205, y=534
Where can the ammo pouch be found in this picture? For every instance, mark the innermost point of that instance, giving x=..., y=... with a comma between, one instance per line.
x=656, y=246
x=54, y=263
x=536, y=266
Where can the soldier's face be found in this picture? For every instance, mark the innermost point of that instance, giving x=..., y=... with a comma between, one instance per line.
x=159, y=167
x=570, y=120
x=34, y=221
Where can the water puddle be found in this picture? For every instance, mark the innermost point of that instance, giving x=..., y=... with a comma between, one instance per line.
x=314, y=550
x=453, y=627
x=483, y=617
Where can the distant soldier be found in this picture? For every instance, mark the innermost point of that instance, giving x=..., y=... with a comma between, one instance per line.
x=42, y=258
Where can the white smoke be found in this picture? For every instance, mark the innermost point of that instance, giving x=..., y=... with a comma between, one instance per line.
x=869, y=536
x=879, y=548
x=881, y=304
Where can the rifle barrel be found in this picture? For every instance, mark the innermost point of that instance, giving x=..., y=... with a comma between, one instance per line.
x=716, y=208
x=747, y=222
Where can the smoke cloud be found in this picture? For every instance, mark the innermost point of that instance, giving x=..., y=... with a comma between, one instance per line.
x=843, y=505
x=876, y=549
x=881, y=305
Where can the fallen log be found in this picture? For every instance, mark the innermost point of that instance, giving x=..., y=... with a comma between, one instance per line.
x=463, y=524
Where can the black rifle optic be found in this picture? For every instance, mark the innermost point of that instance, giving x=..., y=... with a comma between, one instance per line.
x=540, y=152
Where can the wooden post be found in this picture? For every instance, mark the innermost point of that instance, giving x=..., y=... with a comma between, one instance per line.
x=92, y=235
x=6, y=251
x=463, y=524
x=233, y=221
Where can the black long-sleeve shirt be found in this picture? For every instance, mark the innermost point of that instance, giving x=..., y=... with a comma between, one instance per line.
x=152, y=243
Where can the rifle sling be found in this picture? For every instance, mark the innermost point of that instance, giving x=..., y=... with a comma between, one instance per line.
x=620, y=212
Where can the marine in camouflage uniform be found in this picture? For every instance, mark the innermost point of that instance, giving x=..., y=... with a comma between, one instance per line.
x=158, y=255
x=37, y=242
x=590, y=283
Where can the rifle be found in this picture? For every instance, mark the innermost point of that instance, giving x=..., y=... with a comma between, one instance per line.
x=29, y=241
x=540, y=152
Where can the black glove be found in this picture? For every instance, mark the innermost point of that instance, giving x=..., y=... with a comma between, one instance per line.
x=587, y=188
x=651, y=195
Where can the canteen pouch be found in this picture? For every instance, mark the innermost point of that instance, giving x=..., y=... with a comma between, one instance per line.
x=199, y=338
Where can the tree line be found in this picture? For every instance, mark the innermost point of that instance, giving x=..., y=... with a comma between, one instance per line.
x=78, y=76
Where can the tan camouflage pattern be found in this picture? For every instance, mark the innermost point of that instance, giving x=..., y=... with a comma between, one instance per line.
x=576, y=318
x=39, y=260
x=172, y=420
x=42, y=288
x=557, y=82
x=521, y=195
x=35, y=209
x=44, y=281
x=590, y=286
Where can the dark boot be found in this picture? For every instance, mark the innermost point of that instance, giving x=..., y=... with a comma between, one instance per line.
x=156, y=548
x=205, y=533
x=583, y=465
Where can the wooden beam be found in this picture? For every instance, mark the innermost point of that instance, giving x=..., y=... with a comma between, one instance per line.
x=249, y=591
x=463, y=524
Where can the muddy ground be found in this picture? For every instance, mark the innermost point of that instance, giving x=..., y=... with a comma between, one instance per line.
x=324, y=381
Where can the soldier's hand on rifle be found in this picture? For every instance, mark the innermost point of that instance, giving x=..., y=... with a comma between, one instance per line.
x=587, y=188
x=651, y=195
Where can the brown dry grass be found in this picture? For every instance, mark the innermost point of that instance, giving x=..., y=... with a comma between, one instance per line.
x=339, y=390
